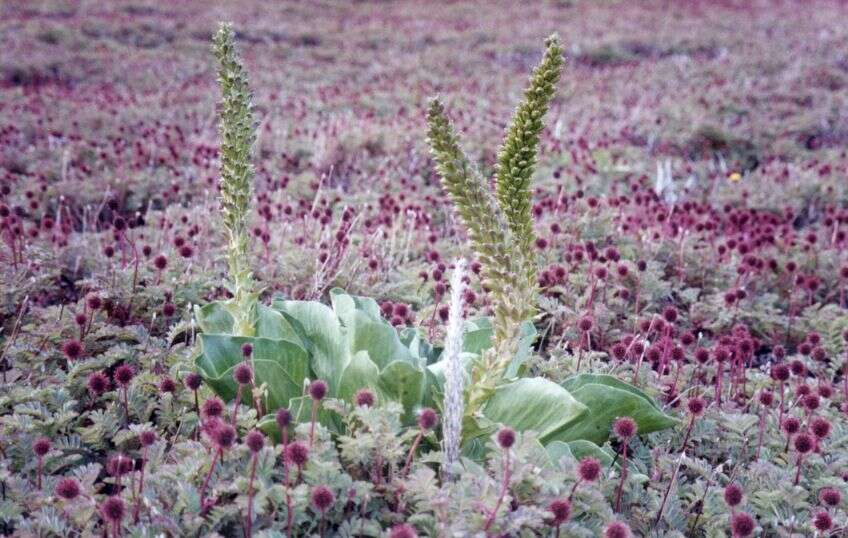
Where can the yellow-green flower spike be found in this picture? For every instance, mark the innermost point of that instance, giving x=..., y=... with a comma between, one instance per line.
x=238, y=133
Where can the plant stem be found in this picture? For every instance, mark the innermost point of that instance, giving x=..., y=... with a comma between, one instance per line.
x=249, y=523
x=312, y=423
x=412, y=452
x=623, y=477
x=504, y=488
x=209, y=475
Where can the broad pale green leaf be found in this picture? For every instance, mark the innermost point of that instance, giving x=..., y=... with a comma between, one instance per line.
x=213, y=318
x=360, y=373
x=281, y=384
x=280, y=364
x=378, y=338
x=321, y=333
x=272, y=324
x=534, y=404
x=477, y=335
x=525, y=349
x=478, y=338
x=606, y=403
x=575, y=382
x=425, y=353
x=403, y=383
x=344, y=305
x=557, y=450
x=301, y=411
x=582, y=448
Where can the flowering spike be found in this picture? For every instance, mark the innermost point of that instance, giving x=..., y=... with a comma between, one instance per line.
x=517, y=156
x=238, y=134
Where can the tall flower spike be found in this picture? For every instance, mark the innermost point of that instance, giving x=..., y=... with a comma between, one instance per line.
x=454, y=405
x=500, y=229
x=502, y=263
x=517, y=156
x=238, y=134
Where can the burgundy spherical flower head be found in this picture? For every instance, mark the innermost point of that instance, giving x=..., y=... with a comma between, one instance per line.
x=160, y=262
x=364, y=398
x=247, y=350
x=213, y=407
x=687, y=338
x=696, y=405
x=224, y=436
x=112, y=509
x=803, y=390
x=147, y=437
x=589, y=469
x=506, y=438
x=255, y=440
x=427, y=419
x=791, y=425
x=94, y=302
x=322, y=498
x=169, y=309
x=119, y=465
x=283, y=418
x=72, y=349
x=97, y=383
x=561, y=509
x=80, y=319
x=811, y=402
x=819, y=354
x=822, y=521
x=779, y=352
x=243, y=374
x=41, y=446
x=702, y=355
x=68, y=489
x=618, y=351
x=670, y=314
x=296, y=453
x=167, y=385
x=624, y=428
x=830, y=497
x=825, y=390
x=820, y=427
x=317, y=390
x=403, y=530
x=209, y=426
x=733, y=495
x=193, y=381
x=585, y=324
x=797, y=367
x=766, y=398
x=805, y=348
x=617, y=529
x=804, y=442
x=124, y=374
x=742, y=525
x=780, y=373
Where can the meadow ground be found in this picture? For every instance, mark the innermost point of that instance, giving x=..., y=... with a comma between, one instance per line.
x=691, y=219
